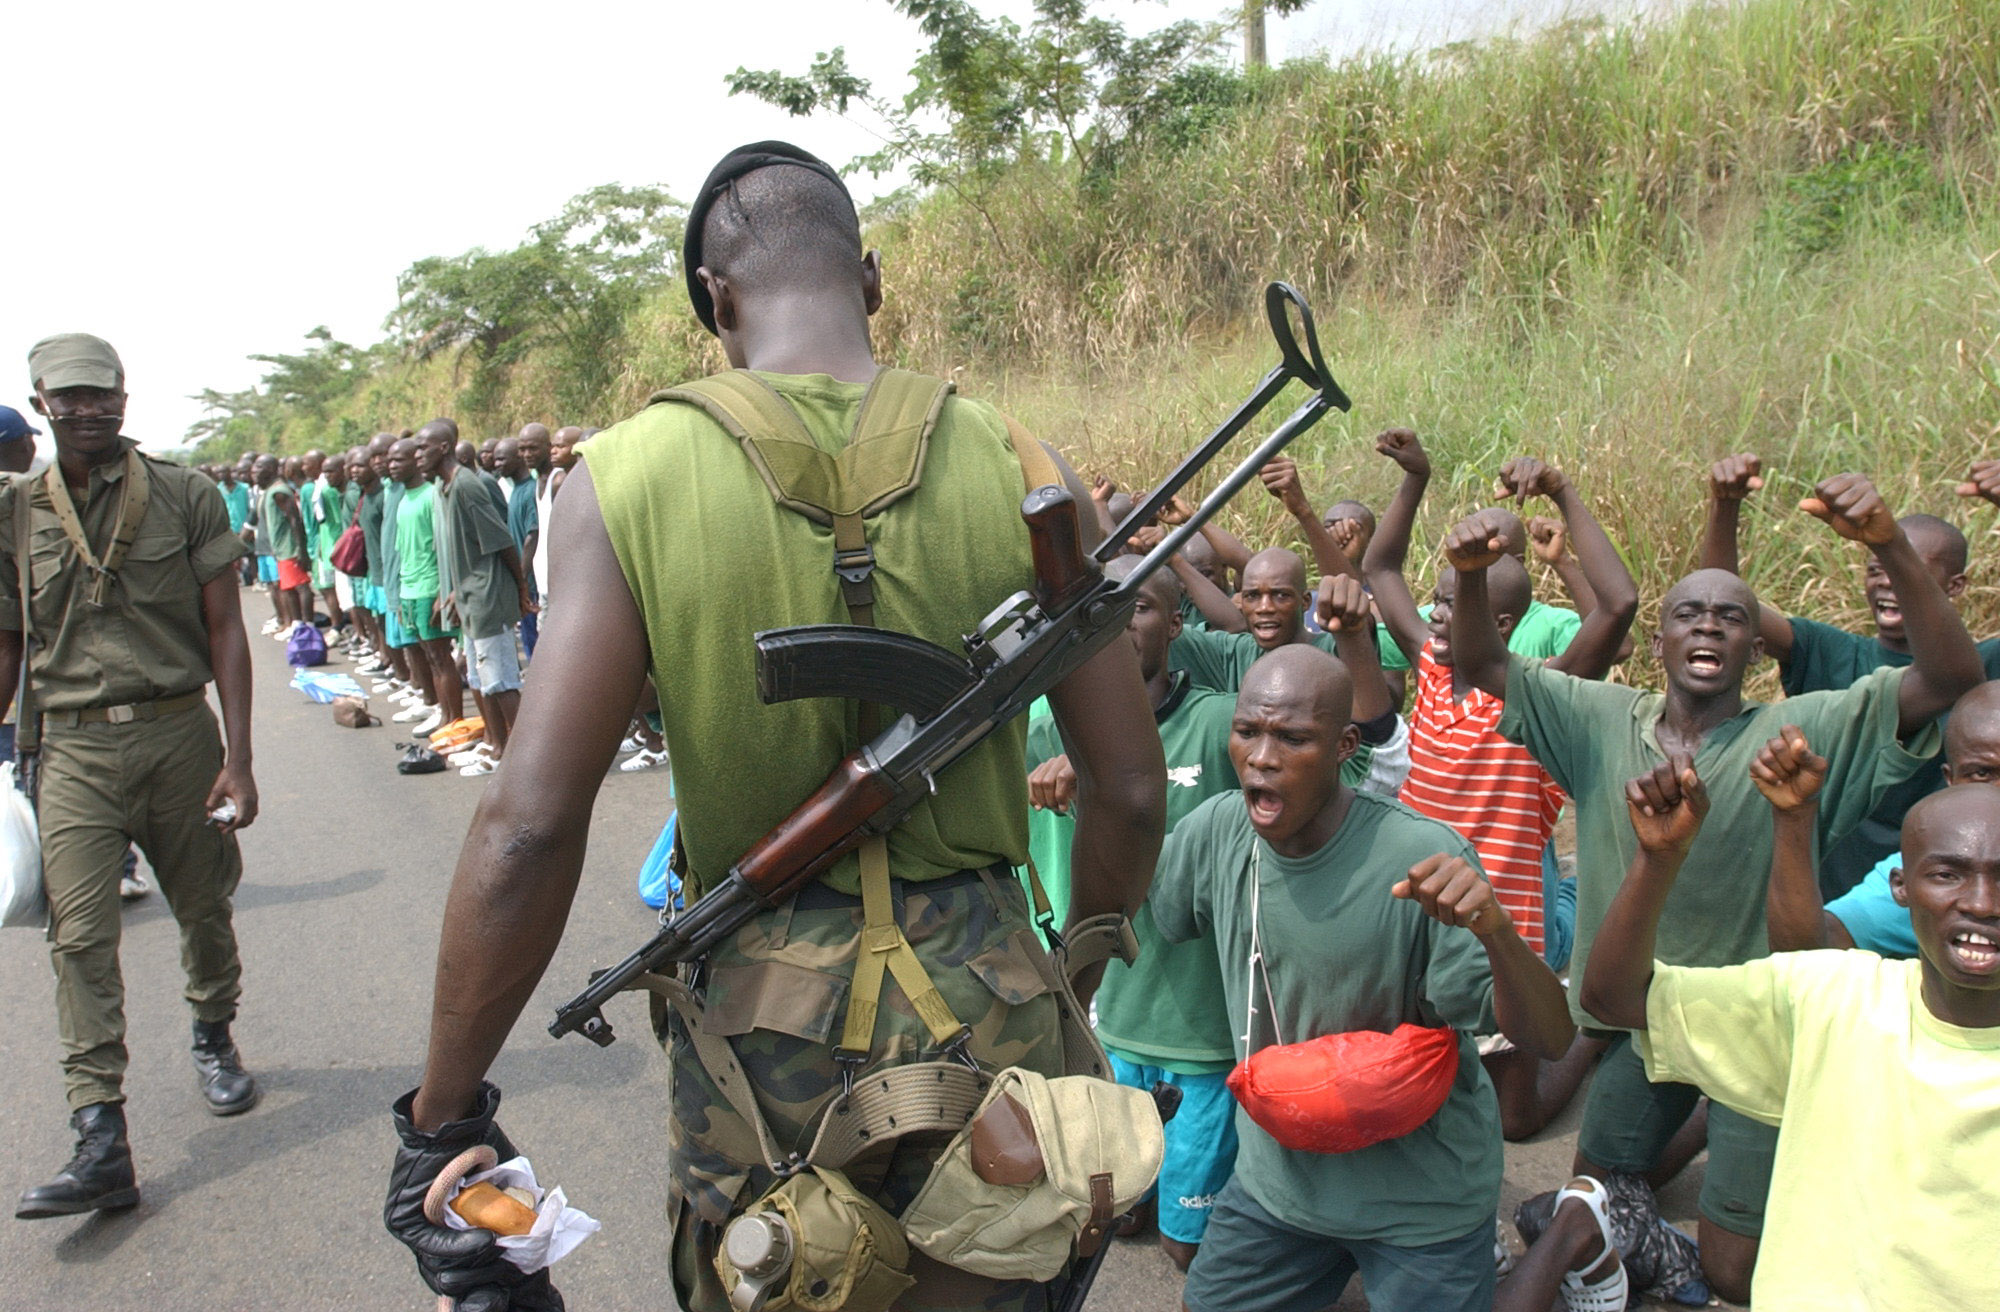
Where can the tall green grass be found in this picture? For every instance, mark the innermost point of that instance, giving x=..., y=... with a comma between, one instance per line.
x=1627, y=249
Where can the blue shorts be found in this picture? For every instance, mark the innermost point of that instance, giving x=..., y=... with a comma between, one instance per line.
x=378, y=600
x=1558, y=912
x=1253, y=1262
x=393, y=630
x=267, y=569
x=1201, y=1145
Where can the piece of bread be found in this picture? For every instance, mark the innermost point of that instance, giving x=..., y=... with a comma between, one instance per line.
x=484, y=1206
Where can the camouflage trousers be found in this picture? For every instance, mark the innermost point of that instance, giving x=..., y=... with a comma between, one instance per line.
x=778, y=993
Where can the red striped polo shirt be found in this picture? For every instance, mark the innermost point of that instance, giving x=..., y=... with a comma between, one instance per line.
x=1488, y=789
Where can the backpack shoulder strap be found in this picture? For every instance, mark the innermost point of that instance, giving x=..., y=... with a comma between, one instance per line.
x=1038, y=469
x=882, y=462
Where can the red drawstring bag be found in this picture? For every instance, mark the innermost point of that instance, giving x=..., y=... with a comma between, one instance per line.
x=1341, y=1092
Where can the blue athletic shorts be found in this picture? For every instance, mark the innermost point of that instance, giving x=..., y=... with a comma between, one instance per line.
x=1253, y=1262
x=267, y=569
x=393, y=630
x=1201, y=1145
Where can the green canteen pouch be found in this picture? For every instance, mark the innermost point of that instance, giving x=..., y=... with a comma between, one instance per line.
x=1043, y=1167
x=847, y=1254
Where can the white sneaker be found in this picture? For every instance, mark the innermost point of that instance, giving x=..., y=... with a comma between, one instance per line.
x=385, y=685
x=430, y=722
x=373, y=665
x=270, y=626
x=645, y=760
x=414, y=712
x=484, y=765
x=133, y=887
x=478, y=751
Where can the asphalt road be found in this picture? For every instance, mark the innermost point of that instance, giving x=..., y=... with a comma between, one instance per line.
x=345, y=876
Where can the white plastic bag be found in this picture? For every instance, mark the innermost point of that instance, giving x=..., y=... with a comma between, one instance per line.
x=559, y=1228
x=24, y=903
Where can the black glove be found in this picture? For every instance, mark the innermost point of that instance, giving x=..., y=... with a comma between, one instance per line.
x=466, y=1265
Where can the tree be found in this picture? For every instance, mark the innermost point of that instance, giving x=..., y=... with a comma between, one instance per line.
x=570, y=284
x=1071, y=86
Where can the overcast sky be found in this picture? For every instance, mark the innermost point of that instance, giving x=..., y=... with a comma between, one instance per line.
x=200, y=181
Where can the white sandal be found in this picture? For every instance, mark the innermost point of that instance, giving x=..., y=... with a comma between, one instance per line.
x=1607, y=1293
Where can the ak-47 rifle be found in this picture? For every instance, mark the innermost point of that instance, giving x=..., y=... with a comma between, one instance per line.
x=949, y=703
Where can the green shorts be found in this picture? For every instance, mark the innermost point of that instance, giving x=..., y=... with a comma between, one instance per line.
x=1628, y=1120
x=419, y=616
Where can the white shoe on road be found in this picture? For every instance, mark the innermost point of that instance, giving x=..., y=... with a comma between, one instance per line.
x=435, y=719
x=645, y=760
x=484, y=765
x=414, y=712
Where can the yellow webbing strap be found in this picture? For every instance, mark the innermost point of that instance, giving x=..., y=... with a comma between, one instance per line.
x=883, y=947
x=1037, y=468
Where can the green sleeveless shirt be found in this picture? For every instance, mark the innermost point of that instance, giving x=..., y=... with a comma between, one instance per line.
x=712, y=560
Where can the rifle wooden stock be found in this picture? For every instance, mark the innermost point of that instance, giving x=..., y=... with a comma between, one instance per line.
x=826, y=827
x=1062, y=571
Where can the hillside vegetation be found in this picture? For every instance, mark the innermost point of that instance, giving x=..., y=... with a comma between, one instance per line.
x=1628, y=249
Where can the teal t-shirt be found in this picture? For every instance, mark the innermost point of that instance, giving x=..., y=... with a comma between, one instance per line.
x=1344, y=954
x=1873, y=918
x=236, y=497
x=1543, y=632
x=416, y=543
x=1593, y=737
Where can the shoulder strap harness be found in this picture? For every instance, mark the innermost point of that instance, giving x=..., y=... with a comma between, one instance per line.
x=881, y=464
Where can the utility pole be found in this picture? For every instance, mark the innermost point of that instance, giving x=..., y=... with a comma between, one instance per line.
x=1253, y=35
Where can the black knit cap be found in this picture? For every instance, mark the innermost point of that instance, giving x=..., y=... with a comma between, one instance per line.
x=742, y=160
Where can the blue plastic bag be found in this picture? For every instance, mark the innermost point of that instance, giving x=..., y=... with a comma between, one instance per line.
x=324, y=688
x=656, y=881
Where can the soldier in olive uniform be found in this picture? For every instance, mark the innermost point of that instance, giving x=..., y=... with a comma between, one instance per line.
x=132, y=610
x=661, y=510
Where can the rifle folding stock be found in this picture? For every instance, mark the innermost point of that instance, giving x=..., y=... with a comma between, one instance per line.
x=947, y=703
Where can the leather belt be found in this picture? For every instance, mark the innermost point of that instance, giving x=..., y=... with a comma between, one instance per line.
x=129, y=712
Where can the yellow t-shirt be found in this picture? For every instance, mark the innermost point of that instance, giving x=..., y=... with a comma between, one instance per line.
x=1884, y=1193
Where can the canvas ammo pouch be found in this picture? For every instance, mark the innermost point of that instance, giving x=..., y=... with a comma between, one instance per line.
x=1044, y=1167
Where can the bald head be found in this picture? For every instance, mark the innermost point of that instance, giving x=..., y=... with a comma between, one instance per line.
x=1936, y=541
x=437, y=430
x=1509, y=590
x=1973, y=731
x=1712, y=585
x=1275, y=567
x=534, y=432
x=1300, y=678
x=782, y=226
x=1955, y=821
x=1161, y=587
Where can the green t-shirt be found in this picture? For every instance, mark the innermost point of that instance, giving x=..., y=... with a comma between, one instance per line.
x=416, y=543
x=285, y=543
x=391, y=565
x=334, y=518
x=471, y=534
x=1167, y=1010
x=1543, y=632
x=712, y=559
x=1823, y=658
x=1594, y=736
x=1215, y=659
x=1343, y=953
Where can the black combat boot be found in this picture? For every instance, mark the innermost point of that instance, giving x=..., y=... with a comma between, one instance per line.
x=98, y=1177
x=228, y=1088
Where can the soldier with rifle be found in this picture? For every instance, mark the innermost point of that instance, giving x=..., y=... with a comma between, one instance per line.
x=831, y=947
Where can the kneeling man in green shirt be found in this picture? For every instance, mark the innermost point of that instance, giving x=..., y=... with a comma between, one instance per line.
x=1593, y=736
x=1357, y=911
